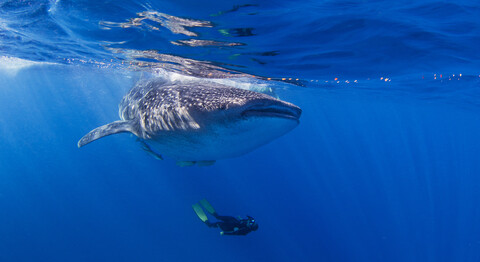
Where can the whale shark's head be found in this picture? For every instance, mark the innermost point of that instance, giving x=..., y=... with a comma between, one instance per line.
x=258, y=121
x=220, y=103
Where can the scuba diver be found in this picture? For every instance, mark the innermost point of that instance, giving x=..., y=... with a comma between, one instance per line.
x=230, y=225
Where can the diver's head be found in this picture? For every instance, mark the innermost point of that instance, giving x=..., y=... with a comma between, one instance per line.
x=251, y=223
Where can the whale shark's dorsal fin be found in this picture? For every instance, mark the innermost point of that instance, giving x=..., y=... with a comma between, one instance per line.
x=106, y=130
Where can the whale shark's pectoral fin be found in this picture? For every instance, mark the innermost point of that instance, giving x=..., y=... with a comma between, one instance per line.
x=149, y=150
x=106, y=130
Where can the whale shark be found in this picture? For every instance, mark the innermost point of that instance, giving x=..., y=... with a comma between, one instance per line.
x=199, y=123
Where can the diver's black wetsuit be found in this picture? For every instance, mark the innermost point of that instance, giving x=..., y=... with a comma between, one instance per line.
x=228, y=224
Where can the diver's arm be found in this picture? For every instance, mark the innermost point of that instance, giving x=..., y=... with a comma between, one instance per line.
x=214, y=224
x=234, y=232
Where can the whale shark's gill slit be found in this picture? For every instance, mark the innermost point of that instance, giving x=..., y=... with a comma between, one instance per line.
x=165, y=118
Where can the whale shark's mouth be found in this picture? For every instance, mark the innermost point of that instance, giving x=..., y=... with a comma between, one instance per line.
x=276, y=110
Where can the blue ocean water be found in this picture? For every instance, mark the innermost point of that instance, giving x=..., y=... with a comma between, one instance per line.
x=383, y=166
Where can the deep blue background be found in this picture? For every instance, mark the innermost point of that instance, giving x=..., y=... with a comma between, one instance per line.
x=376, y=171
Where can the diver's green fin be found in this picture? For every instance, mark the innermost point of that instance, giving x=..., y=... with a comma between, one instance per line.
x=106, y=130
x=149, y=150
x=185, y=163
x=205, y=163
x=207, y=206
x=199, y=211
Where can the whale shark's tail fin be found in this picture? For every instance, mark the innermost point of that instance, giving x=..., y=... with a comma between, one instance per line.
x=106, y=130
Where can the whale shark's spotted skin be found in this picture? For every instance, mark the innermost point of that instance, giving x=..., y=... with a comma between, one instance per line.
x=168, y=106
x=199, y=122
